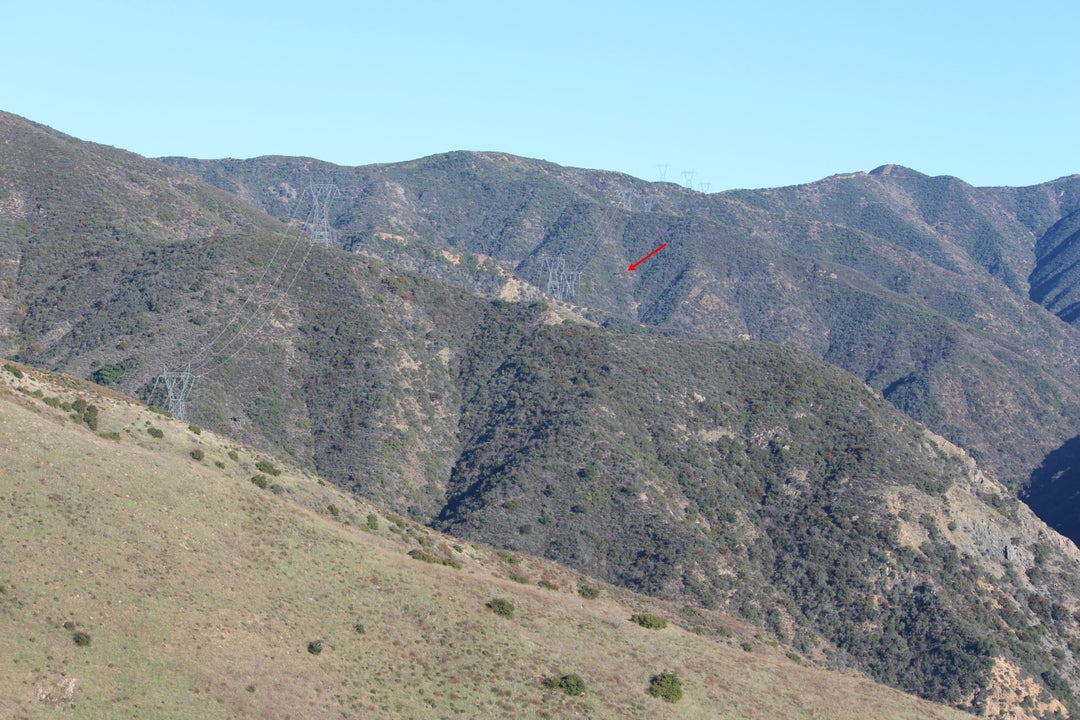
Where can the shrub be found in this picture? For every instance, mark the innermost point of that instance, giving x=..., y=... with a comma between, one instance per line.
x=373, y=522
x=509, y=557
x=588, y=592
x=518, y=577
x=14, y=370
x=81, y=639
x=666, y=686
x=195, y=429
x=651, y=622
x=155, y=433
x=108, y=373
x=359, y=627
x=111, y=435
x=265, y=466
x=333, y=509
x=434, y=559
x=233, y=456
x=571, y=684
x=547, y=585
x=501, y=607
x=260, y=481
x=277, y=489
x=90, y=417
x=219, y=464
x=53, y=402
x=746, y=646
x=315, y=647
x=197, y=454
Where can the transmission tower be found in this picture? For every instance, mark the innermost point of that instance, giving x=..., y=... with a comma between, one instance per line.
x=562, y=283
x=704, y=186
x=688, y=175
x=322, y=195
x=662, y=169
x=178, y=384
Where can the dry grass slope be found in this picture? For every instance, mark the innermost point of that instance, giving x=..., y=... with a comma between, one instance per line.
x=200, y=593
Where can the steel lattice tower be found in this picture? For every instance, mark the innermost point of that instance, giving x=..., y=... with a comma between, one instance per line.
x=322, y=194
x=178, y=384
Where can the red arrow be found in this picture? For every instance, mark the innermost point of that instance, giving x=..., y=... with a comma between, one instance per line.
x=634, y=267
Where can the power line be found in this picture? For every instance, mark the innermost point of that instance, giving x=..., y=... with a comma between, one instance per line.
x=179, y=383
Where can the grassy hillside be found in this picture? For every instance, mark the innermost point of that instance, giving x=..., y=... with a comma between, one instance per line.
x=138, y=581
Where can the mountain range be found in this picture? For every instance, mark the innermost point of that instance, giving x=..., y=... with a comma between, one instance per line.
x=814, y=408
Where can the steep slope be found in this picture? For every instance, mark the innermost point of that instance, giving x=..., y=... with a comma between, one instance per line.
x=75, y=216
x=138, y=581
x=918, y=285
x=1054, y=279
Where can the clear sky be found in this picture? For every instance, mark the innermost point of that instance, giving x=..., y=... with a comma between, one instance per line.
x=741, y=94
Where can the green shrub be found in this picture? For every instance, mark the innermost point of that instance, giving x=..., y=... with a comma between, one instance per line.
x=155, y=433
x=315, y=647
x=234, y=456
x=90, y=417
x=373, y=522
x=81, y=639
x=333, y=509
x=195, y=429
x=794, y=657
x=434, y=559
x=108, y=373
x=666, y=686
x=746, y=646
x=53, y=402
x=197, y=454
x=571, y=684
x=588, y=592
x=547, y=585
x=518, y=577
x=501, y=607
x=265, y=466
x=725, y=632
x=79, y=406
x=260, y=481
x=509, y=557
x=652, y=622
x=111, y=435
x=277, y=489
x=14, y=370
x=219, y=464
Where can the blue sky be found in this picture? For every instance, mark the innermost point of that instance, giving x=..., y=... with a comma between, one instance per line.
x=740, y=94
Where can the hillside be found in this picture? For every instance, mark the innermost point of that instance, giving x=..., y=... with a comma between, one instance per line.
x=649, y=437
x=918, y=285
x=137, y=581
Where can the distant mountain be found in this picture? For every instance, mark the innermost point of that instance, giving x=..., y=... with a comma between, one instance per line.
x=918, y=285
x=645, y=435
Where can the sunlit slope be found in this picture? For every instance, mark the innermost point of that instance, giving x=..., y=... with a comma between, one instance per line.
x=199, y=593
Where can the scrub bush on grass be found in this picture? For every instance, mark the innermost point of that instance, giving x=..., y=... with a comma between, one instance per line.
x=571, y=684
x=651, y=622
x=501, y=607
x=666, y=686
